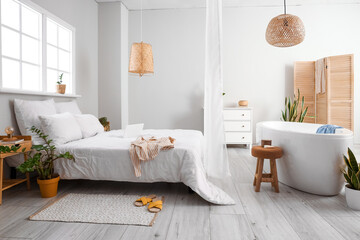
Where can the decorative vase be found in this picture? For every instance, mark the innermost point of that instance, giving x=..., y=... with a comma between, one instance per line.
x=48, y=187
x=243, y=103
x=60, y=88
x=352, y=198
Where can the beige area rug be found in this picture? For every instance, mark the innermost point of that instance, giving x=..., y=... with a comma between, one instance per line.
x=96, y=208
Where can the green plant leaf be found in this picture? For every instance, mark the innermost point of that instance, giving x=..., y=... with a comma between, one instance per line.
x=352, y=160
x=302, y=116
x=346, y=161
x=348, y=180
x=355, y=181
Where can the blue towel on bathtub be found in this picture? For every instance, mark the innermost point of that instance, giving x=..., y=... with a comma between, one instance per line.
x=327, y=129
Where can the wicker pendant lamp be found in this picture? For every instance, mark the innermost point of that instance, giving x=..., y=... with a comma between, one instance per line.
x=141, y=58
x=285, y=30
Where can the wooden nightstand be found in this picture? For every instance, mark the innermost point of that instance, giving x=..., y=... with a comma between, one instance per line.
x=8, y=183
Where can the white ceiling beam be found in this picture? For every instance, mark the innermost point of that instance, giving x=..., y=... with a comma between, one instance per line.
x=178, y=4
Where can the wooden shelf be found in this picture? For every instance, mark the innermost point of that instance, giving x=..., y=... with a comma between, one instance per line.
x=25, y=147
x=8, y=183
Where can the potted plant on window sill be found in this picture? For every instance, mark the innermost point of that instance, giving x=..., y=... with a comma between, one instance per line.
x=352, y=177
x=60, y=88
x=42, y=160
x=105, y=123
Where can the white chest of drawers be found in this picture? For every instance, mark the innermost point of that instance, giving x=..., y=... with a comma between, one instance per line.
x=238, y=125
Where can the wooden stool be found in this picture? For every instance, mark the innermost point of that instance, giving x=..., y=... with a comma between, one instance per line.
x=262, y=153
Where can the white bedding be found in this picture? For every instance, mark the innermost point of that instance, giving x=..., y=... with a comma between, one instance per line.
x=106, y=157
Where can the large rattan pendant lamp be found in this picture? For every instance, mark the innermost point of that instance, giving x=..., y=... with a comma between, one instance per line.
x=141, y=57
x=285, y=30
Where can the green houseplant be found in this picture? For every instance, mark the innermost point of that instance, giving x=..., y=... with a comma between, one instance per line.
x=291, y=109
x=352, y=176
x=60, y=87
x=106, y=124
x=42, y=160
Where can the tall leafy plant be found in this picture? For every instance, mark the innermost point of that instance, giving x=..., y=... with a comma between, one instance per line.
x=290, y=114
x=352, y=175
x=43, y=157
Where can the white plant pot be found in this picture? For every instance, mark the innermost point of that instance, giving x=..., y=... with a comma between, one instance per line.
x=352, y=198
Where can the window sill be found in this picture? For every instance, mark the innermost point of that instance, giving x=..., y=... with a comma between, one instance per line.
x=24, y=92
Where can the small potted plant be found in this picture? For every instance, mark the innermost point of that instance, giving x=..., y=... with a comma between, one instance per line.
x=60, y=88
x=42, y=160
x=352, y=177
x=105, y=123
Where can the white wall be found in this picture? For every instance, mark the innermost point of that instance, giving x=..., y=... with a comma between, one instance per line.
x=124, y=50
x=110, y=62
x=113, y=63
x=253, y=69
x=173, y=96
x=263, y=74
x=81, y=14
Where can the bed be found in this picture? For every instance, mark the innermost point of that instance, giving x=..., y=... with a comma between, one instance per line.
x=103, y=155
x=106, y=157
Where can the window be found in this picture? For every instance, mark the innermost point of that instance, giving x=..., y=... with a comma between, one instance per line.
x=58, y=55
x=36, y=47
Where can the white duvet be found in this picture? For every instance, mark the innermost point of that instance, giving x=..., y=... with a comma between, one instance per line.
x=106, y=157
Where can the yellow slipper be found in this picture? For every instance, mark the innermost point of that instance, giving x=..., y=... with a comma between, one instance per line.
x=156, y=205
x=144, y=200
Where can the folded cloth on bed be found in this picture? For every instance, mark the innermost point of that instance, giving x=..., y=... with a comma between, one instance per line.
x=145, y=149
x=326, y=129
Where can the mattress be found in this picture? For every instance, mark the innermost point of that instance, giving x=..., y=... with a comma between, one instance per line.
x=106, y=157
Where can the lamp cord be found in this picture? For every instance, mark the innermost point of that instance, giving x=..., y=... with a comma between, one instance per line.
x=285, y=6
x=141, y=20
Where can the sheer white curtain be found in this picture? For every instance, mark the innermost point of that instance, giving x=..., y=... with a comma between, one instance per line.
x=216, y=158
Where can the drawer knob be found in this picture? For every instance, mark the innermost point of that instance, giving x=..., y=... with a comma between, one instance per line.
x=243, y=114
x=243, y=137
x=243, y=126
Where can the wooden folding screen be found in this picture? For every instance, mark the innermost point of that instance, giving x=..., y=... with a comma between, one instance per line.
x=340, y=91
x=336, y=105
x=304, y=80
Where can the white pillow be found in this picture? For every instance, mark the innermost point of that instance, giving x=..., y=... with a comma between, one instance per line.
x=133, y=130
x=61, y=128
x=27, y=115
x=70, y=107
x=89, y=125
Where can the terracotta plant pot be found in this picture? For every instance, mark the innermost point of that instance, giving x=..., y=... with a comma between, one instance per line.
x=352, y=198
x=243, y=103
x=107, y=127
x=60, y=88
x=48, y=188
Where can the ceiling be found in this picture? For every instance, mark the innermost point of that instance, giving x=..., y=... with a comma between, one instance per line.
x=175, y=4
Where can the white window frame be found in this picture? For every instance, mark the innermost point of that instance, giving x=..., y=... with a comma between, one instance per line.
x=44, y=15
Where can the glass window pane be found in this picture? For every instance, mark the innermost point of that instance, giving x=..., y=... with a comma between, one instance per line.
x=10, y=13
x=30, y=22
x=10, y=73
x=52, y=78
x=30, y=50
x=64, y=61
x=51, y=30
x=64, y=38
x=10, y=43
x=52, y=57
x=31, y=77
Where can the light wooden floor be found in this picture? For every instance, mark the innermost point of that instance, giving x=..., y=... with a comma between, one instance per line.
x=266, y=215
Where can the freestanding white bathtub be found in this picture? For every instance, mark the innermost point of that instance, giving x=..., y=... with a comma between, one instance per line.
x=311, y=162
